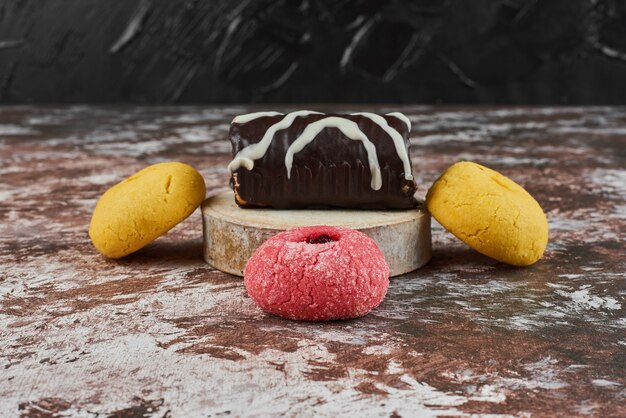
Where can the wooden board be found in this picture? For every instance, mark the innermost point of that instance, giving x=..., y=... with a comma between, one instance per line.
x=231, y=234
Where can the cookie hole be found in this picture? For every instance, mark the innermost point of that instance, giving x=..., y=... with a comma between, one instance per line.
x=320, y=239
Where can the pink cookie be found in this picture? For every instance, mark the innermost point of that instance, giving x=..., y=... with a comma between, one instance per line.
x=317, y=273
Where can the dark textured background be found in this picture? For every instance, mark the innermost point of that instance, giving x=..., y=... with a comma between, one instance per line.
x=428, y=51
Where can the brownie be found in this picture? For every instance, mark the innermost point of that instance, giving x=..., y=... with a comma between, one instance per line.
x=312, y=160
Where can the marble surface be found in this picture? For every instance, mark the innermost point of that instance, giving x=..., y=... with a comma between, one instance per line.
x=162, y=334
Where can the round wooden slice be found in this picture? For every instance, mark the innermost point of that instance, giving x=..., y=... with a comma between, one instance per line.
x=231, y=234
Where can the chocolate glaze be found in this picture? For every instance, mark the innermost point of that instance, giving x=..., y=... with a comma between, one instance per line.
x=331, y=171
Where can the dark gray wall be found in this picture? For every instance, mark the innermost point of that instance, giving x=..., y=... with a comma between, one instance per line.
x=186, y=51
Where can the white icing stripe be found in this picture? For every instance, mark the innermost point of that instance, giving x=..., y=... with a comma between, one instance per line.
x=252, y=116
x=251, y=153
x=402, y=117
x=349, y=129
x=395, y=136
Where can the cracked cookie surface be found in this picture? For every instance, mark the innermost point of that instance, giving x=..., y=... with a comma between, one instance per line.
x=144, y=206
x=490, y=213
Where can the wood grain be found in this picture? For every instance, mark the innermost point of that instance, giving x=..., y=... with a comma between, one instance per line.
x=231, y=234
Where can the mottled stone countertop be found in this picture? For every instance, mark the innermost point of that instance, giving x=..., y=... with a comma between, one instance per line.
x=162, y=334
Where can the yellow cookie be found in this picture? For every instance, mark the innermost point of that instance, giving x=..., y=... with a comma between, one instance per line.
x=143, y=207
x=490, y=213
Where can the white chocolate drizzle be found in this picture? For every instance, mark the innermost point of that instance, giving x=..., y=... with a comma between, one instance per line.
x=402, y=117
x=252, y=116
x=395, y=136
x=349, y=129
x=247, y=156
